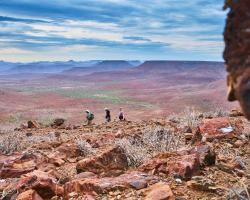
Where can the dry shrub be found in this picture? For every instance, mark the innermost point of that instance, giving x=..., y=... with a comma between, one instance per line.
x=191, y=117
x=11, y=142
x=240, y=190
x=84, y=147
x=149, y=144
x=218, y=112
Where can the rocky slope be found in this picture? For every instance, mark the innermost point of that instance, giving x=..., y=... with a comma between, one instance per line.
x=196, y=156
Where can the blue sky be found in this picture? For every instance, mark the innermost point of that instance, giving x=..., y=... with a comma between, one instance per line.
x=32, y=30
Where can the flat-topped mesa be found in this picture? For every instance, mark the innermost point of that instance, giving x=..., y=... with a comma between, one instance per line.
x=237, y=52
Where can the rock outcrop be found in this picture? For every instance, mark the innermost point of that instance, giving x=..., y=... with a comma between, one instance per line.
x=43, y=183
x=237, y=52
x=112, y=161
x=135, y=180
x=17, y=165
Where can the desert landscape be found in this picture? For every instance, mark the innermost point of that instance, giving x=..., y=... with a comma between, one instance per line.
x=180, y=140
x=124, y=100
x=146, y=90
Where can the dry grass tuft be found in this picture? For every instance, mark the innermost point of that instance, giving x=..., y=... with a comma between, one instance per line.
x=11, y=142
x=149, y=144
x=84, y=147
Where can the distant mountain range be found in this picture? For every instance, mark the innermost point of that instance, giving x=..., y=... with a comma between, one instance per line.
x=104, y=66
x=44, y=67
x=69, y=67
x=120, y=69
x=5, y=66
x=182, y=70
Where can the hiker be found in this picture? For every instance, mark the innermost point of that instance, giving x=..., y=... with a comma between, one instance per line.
x=89, y=117
x=121, y=115
x=108, y=115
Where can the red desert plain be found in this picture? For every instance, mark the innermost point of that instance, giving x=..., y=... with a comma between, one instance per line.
x=145, y=90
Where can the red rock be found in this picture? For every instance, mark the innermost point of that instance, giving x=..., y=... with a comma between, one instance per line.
x=135, y=180
x=70, y=150
x=17, y=165
x=238, y=144
x=111, y=160
x=154, y=165
x=44, y=184
x=222, y=127
x=184, y=166
x=29, y=195
x=57, y=158
x=159, y=191
x=58, y=122
x=33, y=124
x=85, y=175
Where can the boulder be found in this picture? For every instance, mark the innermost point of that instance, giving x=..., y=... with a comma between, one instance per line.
x=159, y=191
x=29, y=195
x=221, y=127
x=17, y=165
x=56, y=158
x=44, y=184
x=111, y=160
x=70, y=150
x=134, y=180
x=184, y=166
x=181, y=164
x=58, y=122
x=33, y=124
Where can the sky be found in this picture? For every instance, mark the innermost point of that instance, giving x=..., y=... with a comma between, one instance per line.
x=49, y=30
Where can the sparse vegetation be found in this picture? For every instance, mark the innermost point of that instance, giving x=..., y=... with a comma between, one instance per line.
x=11, y=142
x=191, y=118
x=149, y=144
x=84, y=147
x=16, y=141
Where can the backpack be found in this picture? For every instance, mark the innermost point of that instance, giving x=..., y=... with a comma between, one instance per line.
x=91, y=116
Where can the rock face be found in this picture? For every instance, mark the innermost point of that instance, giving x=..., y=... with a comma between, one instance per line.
x=108, y=162
x=237, y=53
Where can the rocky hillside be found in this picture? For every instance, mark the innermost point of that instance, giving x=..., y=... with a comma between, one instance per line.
x=195, y=156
